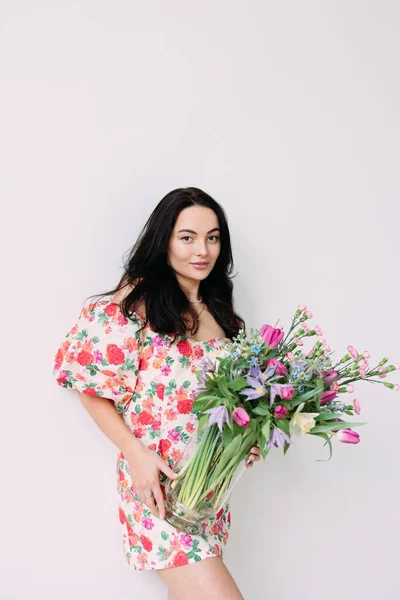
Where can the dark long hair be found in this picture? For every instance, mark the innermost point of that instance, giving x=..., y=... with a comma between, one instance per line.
x=155, y=282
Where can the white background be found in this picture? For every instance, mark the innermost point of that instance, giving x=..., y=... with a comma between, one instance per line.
x=288, y=114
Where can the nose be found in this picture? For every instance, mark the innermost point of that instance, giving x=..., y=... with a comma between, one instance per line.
x=201, y=249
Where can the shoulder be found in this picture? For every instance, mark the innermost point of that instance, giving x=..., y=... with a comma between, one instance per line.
x=122, y=293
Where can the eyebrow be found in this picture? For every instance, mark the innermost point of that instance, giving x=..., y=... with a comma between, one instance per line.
x=195, y=232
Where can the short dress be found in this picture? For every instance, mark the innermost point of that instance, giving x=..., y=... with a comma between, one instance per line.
x=152, y=381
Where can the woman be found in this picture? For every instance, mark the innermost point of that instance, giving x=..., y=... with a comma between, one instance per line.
x=133, y=357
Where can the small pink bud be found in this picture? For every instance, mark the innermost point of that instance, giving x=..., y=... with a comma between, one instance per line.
x=350, y=388
x=396, y=387
x=318, y=330
x=290, y=356
x=366, y=354
x=383, y=376
x=305, y=327
x=280, y=412
x=334, y=386
x=302, y=307
x=322, y=340
x=298, y=341
x=353, y=352
x=381, y=369
x=287, y=392
x=363, y=373
x=397, y=365
x=356, y=405
x=308, y=314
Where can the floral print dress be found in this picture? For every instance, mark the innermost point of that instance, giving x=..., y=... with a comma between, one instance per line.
x=153, y=384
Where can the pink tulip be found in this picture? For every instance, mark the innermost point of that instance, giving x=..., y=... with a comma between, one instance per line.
x=271, y=335
x=280, y=368
x=350, y=388
x=286, y=392
x=240, y=416
x=356, y=405
x=318, y=330
x=330, y=376
x=280, y=412
x=348, y=436
x=327, y=396
x=353, y=352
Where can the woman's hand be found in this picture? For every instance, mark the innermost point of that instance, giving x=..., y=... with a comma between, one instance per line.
x=254, y=455
x=144, y=467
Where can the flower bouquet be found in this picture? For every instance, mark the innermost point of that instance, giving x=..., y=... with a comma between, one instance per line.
x=265, y=392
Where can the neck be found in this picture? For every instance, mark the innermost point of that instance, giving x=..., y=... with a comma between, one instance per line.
x=190, y=287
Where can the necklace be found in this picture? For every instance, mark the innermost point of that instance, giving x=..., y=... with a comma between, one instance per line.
x=195, y=301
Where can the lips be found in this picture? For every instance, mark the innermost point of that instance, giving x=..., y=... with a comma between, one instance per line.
x=201, y=264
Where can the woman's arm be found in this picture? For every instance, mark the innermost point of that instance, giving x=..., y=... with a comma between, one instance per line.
x=144, y=464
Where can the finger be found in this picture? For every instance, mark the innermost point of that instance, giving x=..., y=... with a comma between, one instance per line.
x=255, y=450
x=249, y=464
x=167, y=470
x=151, y=506
x=160, y=501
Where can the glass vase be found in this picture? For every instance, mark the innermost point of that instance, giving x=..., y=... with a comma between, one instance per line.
x=205, y=481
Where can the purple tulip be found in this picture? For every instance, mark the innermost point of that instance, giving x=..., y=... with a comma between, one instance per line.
x=330, y=376
x=218, y=415
x=327, y=396
x=280, y=412
x=240, y=416
x=271, y=335
x=348, y=436
x=280, y=369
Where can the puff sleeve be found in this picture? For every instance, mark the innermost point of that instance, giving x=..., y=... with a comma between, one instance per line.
x=100, y=354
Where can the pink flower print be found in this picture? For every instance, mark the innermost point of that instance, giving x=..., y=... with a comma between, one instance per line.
x=158, y=341
x=186, y=540
x=98, y=357
x=166, y=370
x=147, y=523
x=193, y=395
x=174, y=435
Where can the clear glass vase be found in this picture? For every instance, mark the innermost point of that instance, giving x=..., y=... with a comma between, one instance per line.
x=204, y=483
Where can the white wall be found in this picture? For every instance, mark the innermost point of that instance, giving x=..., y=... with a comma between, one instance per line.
x=288, y=114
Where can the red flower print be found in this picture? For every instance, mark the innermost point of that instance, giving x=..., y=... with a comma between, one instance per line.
x=84, y=358
x=185, y=348
x=115, y=355
x=143, y=364
x=121, y=475
x=121, y=516
x=198, y=352
x=216, y=550
x=180, y=559
x=145, y=418
x=160, y=387
x=58, y=358
x=185, y=406
x=164, y=446
x=111, y=309
x=90, y=391
x=219, y=514
x=229, y=517
x=146, y=543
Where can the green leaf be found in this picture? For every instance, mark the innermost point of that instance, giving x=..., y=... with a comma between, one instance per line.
x=164, y=535
x=266, y=429
x=238, y=384
x=261, y=409
x=334, y=426
x=328, y=441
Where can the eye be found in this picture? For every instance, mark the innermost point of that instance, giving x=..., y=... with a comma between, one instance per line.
x=214, y=236
x=186, y=237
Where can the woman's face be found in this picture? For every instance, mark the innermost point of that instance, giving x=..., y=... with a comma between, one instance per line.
x=194, y=239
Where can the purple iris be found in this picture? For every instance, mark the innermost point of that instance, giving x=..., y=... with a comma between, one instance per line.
x=207, y=366
x=257, y=379
x=218, y=415
x=278, y=438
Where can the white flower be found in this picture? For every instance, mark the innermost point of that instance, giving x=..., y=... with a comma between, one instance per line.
x=302, y=422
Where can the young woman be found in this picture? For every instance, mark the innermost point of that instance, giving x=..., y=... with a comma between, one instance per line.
x=132, y=359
